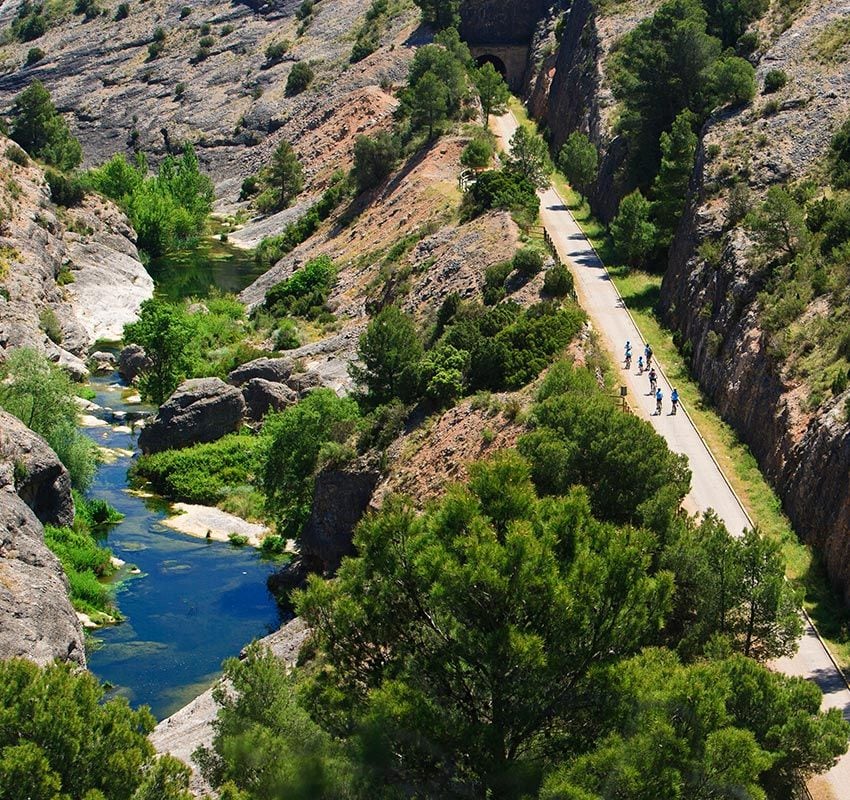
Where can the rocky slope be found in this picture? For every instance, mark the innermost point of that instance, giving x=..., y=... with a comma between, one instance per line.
x=232, y=103
x=804, y=451
x=68, y=277
x=36, y=617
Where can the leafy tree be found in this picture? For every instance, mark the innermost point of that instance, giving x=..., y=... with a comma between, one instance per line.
x=265, y=743
x=529, y=158
x=619, y=458
x=165, y=333
x=460, y=646
x=711, y=730
x=732, y=587
x=506, y=190
x=449, y=60
x=731, y=80
x=632, y=230
x=40, y=394
x=375, y=158
x=295, y=439
x=728, y=19
x=305, y=292
x=388, y=358
x=558, y=281
x=579, y=161
x=283, y=178
x=779, y=224
x=440, y=13
x=59, y=738
x=42, y=131
x=492, y=90
x=839, y=157
x=444, y=370
x=429, y=103
x=678, y=148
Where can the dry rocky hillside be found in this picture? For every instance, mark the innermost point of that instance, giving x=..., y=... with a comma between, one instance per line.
x=232, y=104
x=68, y=277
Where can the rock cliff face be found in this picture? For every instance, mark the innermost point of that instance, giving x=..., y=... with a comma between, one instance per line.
x=715, y=309
x=68, y=277
x=501, y=21
x=36, y=617
x=573, y=93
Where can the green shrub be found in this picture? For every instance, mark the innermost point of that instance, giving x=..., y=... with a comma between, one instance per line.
x=495, y=277
x=558, y=281
x=305, y=292
x=64, y=190
x=276, y=51
x=185, y=12
x=40, y=130
x=205, y=30
x=89, y=8
x=17, y=155
x=299, y=78
x=155, y=50
x=237, y=539
x=528, y=262
x=774, y=80
x=49, y=323
x=375, y=158
x=839, y=157
x=122, y=12
x=250, y=187
x=499, y=189
x=305, y=9
x=479, y=152
x=34, y=55
x=204, y=473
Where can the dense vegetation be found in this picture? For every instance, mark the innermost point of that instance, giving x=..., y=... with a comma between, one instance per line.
x=60, y=738
x=168, y=209
x=495, y=646
x=40, y=394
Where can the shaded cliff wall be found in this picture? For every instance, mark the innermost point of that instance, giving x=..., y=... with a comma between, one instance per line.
x=714, y=307
x=501, y=21
x=572, y=94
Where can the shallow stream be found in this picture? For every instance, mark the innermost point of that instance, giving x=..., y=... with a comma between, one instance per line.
x=194, y=602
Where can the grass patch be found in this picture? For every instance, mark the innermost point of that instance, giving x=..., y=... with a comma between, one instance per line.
x=832, y=44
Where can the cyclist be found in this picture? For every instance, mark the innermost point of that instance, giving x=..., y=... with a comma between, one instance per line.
x=674, y=399
x=653, y=381
x=659, y=396
x=628, y=355
x=647, y=352
x=640, y=365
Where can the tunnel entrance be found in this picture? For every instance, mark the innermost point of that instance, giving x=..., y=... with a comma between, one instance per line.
x=489, y=58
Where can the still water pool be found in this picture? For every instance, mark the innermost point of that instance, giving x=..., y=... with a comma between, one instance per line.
x=195, y=602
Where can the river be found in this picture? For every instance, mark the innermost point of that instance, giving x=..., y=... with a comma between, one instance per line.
x=194, y=602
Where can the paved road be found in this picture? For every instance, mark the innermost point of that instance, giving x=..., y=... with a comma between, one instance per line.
x=710, y=490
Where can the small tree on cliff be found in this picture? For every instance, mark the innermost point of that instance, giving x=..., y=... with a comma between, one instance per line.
x=283, y=178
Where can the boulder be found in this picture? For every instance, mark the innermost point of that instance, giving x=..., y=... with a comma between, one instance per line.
x=37, y=620
x=102, y=363
x=305, y=382
x=29, y=467
x=131, y=361
x=275, y=370
x=200, y=410
x=262, y=396
x=340, y=499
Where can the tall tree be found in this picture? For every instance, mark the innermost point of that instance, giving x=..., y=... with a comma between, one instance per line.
x=42, y=131
x=678, y=148
x=633, y=232
x=429, y=100
x=529, y=157
x=388, y=358
x=462, y=644
x=283, y=177
x=579, y=161
x=440, y=13
x=493, y=92
x=779, y=224
x=164, y=332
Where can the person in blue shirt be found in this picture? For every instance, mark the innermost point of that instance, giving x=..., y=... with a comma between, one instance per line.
x=640, y=365
x=674, y=399
x=659, y=396
x=628, y=355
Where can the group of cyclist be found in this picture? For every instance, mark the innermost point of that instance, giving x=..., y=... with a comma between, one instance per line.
x=645, y=364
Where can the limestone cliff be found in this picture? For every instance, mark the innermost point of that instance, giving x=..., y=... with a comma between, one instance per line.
x=713, y=304
x=68, y=277
x=572, y=92
x=36, y=617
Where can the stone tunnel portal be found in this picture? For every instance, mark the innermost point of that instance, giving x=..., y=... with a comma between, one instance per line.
x=511, y=61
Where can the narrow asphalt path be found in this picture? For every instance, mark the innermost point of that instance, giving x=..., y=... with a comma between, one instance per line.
x=709, y=488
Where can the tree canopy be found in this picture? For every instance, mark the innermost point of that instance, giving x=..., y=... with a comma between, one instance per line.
x=42, y=131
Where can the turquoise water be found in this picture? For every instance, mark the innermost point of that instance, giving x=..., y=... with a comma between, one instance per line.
x=194, y=604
